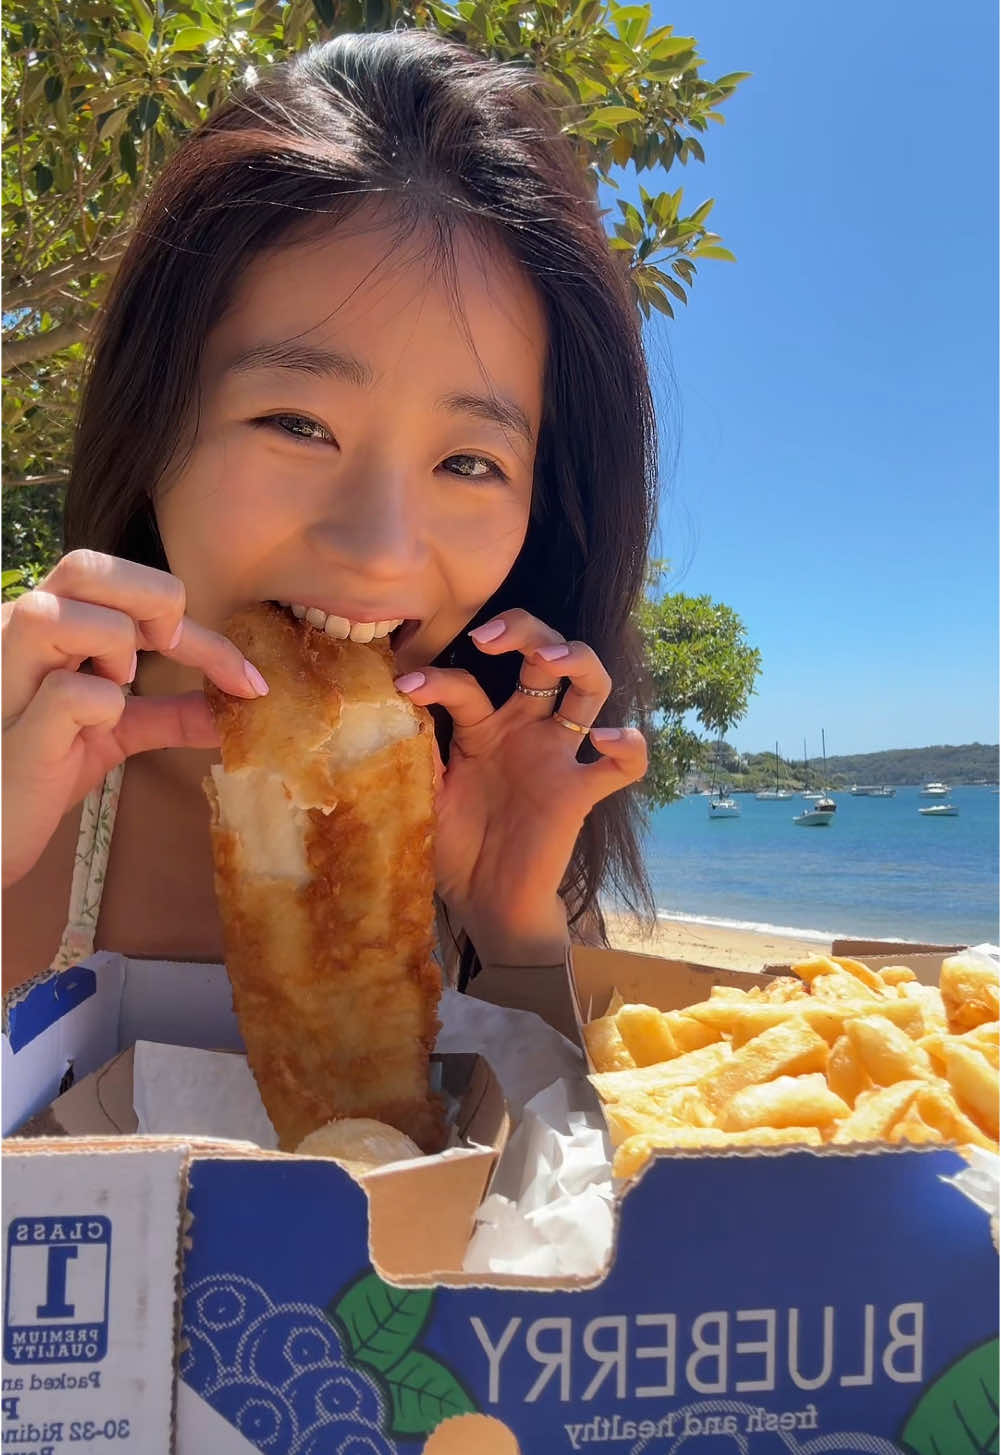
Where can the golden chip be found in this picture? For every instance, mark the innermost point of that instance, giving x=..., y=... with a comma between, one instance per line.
x=886, y=1053
x=846, y=1075
x=896, y=974
x=788, y=1101
x=605, y=1045
x=969, y=990
x=682, y=1071
x=875, y=1113
x=975, y=1083
x=646, y=1034
x=781, y=1050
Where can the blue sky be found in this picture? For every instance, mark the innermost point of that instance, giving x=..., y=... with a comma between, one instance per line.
x=832, y=396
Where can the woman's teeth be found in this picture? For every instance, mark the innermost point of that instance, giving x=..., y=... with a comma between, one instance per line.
x=340, y=628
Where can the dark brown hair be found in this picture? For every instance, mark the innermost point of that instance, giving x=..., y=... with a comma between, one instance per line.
x=446, y=139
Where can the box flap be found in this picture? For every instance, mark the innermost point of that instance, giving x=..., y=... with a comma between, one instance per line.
x=647, y=979
x=91, y=1256
x=99, y=1105
x=860, y=948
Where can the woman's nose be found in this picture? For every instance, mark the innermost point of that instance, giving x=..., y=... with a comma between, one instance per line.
x=376, y=527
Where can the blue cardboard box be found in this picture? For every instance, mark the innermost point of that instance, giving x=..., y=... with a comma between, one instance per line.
x=189, y=1298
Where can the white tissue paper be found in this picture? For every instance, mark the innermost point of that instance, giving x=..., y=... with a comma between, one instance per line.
x=549, y=1211
x=981, y=1183
x=178, y=1091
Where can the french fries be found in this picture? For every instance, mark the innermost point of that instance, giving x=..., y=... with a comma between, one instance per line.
x=836, y=1054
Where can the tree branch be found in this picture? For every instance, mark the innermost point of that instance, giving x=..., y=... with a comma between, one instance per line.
x=44, y=284
x=40, y=345
x=55, y=477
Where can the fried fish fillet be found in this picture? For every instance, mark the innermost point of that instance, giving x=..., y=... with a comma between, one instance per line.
x=322, y=819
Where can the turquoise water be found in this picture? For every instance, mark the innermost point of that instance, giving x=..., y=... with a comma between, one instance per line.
x=880, y=869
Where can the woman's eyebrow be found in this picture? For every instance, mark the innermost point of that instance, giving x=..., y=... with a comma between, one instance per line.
x=297, y=358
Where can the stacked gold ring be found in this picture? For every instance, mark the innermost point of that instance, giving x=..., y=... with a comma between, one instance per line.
x=575, y=727
x=537, y=691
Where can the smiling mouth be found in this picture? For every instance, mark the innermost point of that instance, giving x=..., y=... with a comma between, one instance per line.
x=397, y=631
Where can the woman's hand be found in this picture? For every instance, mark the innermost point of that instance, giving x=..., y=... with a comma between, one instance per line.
x=64, y=729
x=513, y=798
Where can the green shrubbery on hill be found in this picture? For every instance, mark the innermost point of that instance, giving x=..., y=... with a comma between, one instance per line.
x=967, y=763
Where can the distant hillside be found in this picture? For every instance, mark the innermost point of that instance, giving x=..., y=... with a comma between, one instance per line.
x=969, y=763
x=947, y=764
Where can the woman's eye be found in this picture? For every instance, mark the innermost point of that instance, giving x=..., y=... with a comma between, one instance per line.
x=469, y=472
x=298, y=426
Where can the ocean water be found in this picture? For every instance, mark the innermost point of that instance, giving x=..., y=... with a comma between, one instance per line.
x=879, y=870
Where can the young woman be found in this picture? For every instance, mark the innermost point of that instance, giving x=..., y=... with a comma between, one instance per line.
x=367, y=354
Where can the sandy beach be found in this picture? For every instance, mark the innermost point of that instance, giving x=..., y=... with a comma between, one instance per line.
x=707, y=944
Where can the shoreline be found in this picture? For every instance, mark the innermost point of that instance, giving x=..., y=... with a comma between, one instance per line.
x=725, y=947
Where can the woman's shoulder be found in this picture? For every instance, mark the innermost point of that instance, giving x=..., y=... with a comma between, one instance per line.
x=36, y=908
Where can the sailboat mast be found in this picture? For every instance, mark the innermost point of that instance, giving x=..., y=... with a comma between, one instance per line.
x=806, y=767
x=776, y=770
x=823, y=748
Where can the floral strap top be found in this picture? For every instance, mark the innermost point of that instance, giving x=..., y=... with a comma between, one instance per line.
x=93, y=848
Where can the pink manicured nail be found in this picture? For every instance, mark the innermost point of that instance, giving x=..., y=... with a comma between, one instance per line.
x=255, y=679
x=176, y=637
x=553, y=653
x=410, y=681
x=489, y=632
x=606, y=735
x=133, y=669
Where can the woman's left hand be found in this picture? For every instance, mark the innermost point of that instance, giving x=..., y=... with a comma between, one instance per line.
x=513, y=797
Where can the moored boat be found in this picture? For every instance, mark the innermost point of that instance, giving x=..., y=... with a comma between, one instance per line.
x=940, y=810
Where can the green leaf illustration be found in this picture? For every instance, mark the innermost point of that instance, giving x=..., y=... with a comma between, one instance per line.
x=423, y=1393
x=380, y=1323
x=958, y=1414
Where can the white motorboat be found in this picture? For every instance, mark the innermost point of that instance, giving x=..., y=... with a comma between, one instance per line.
x=870, y=790
x=815, y=818
x=721, y=806
x=940, y=810
x=934, y=790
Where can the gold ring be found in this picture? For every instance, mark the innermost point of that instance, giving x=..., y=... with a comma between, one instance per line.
x=537, y=691
x=575, y=727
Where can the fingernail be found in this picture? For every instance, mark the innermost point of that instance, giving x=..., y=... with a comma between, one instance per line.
x=553, y=653
x=606, y=735
x=132, y=670
x=176, y=637
x=489, y=632
x=410, y=681
x=255, y=679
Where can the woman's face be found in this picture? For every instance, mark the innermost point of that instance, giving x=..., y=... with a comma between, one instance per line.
x=364, y=441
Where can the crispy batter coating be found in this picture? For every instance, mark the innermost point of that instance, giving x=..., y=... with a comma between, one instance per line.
x=322, y=822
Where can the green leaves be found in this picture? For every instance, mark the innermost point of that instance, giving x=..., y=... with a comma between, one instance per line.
x=99, y=93
x=700, y=663
x=959, y=1412
x=380, y=1325
x=381, y=1322
x=423, y=1393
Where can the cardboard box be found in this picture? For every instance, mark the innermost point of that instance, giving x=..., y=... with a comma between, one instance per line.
x=789, y=1301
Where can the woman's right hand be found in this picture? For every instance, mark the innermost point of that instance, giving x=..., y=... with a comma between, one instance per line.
x=64, y=729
